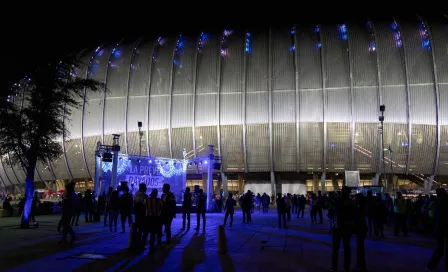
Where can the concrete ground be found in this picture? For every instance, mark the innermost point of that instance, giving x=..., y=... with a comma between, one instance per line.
x=260, y=246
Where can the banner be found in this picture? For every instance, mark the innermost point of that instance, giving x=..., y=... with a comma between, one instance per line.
x=153, y=173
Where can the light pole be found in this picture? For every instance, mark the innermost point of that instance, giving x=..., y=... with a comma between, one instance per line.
x=381, y=119
x=391, y=165
x=140, y=135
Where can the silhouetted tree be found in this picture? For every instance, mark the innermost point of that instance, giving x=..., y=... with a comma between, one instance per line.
x=32, y=117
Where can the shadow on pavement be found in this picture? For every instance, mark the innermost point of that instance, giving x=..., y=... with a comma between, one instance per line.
x=17, y=256
x=226, y=263
x=194, y=253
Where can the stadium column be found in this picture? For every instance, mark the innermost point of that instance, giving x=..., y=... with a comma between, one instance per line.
x=244, y=88
x=148, y=145
x=271, y=160
x=437, y=97
x=126, y=112
x=408, y=102
x=380, y=102
x=297, y=102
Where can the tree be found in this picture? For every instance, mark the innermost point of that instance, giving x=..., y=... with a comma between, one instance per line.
x=32, y=117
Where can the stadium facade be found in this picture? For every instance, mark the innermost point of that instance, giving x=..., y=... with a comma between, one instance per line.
x=279, y=105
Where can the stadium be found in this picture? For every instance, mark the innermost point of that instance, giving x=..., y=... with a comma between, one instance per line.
x=288, y=108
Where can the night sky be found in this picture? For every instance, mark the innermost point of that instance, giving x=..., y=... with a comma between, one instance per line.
x=39, y=36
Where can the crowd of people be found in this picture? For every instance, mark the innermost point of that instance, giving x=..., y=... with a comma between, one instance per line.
x=350, y=215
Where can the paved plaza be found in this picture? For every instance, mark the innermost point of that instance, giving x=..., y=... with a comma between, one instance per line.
x=260, y=246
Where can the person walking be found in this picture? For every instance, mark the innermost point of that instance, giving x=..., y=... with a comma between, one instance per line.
x=153, y=220
x=125, y=208
x=200, y=210
x=230, y=209
x=168, y=210
x=186, y=208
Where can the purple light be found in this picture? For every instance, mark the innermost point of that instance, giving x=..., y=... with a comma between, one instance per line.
x=150, y=161
x=205, y=162
x=227, y=33
x=100, y=53
x=224, y=52
x=317, y=29
x=404, y=143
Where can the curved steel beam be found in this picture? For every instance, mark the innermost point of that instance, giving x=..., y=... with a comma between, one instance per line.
x=126, y=112
x=83, y=113
x=218, y=97
x=352, y=108
x=271, y=147
x=437, y=96
x=380, y=95
x=195, y=72
x=324, y=95
x=243, y=102
x=148, y=146
x=297, y=98
x=408, y=100
x=106, y=77
x=170, y=101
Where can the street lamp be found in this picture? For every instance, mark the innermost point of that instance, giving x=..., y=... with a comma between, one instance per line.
x=140, y=133
x=381, y=119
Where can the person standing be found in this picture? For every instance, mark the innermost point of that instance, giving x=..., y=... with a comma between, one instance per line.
x=281, y=211
x=246, y=205
x=320, y=206
x=370, y=203
x=288, y=200
x=107, y=206
x=230, y=209
x=67, y=212
x=186, y=208
x=441, y=230
x=140, y=212
x=35, y=206
x=125, y=208
x=114, y=208
x=153, y=220
x=343, y=229
x=400, y=214
x=78, y=209
x=301, y=204
x=379, y=215
x=361, y=232
x=200, y=210
x=89, y=202
x=168, y=210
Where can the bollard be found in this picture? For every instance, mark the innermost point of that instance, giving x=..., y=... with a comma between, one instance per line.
x=132, y=237
x=222, y=240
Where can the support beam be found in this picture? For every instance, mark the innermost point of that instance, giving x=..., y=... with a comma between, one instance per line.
x=437, y=96
x=271, y=155
x=297, y=98
x=408, y=102
x=324, y=99
x=218, y=97
x=244, y=103
x=380, y=102
x=170, y=101
x=195, y=72
x=126, y=112
x=323, y=182
x=82, y=114
x=151, y=60
x=352, y=107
